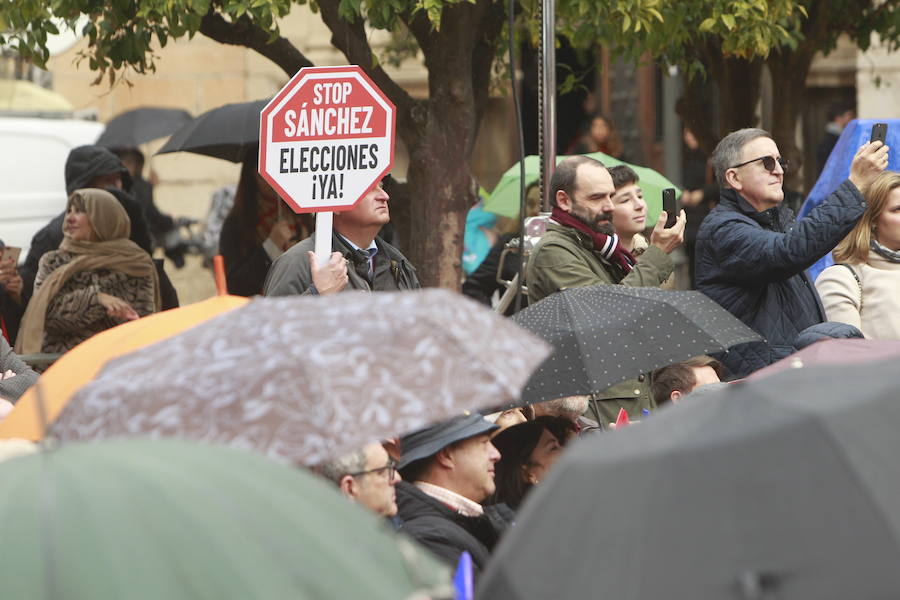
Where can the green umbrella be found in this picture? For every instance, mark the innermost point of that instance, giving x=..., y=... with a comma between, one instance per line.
x=142, y=519
x=504, y=200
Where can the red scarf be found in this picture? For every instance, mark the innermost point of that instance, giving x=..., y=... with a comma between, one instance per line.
x=607, y=245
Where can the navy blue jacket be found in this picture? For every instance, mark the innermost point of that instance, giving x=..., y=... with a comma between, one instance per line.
x=753, y=263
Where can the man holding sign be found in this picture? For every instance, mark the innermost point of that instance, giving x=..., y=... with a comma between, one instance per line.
x=326, y=142
x=360, y=260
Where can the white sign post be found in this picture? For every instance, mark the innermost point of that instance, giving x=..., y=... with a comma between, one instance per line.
x=325, y=140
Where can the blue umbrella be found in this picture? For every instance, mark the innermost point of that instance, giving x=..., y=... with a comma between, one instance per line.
x=837, y=169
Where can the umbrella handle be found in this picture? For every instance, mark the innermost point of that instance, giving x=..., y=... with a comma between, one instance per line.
x=219, y=275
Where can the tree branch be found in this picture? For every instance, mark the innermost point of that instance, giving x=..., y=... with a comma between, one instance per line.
x=350, y=38
x=244, y=32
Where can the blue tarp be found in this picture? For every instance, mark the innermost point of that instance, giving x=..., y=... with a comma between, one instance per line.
x=837, y=169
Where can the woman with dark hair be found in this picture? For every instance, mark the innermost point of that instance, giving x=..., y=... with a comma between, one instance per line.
x=527, y=451
x=259, y=228
x=601, y=136
x=96, y=280
x=863, y=288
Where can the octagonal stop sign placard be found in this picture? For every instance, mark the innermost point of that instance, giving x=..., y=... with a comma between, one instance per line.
x=326, y=139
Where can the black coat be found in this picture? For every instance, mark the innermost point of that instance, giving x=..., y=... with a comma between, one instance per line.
x=245, y=270
x=444, y=531
x=753, y=264
x=482, y=282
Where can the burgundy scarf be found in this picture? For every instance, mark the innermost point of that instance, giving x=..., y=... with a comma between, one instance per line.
x=607, y=245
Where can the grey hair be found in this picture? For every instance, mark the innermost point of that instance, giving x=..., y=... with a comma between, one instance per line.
x=337, y=468
x=728, y=150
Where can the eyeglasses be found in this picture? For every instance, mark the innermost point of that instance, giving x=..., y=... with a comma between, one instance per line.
x=390, y=467
x=768, y=163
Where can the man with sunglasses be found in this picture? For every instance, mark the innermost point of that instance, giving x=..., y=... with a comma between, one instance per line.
x=751, y=254
x=366, y=477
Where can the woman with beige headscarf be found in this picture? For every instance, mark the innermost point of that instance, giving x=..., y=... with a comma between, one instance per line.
x=97, y=279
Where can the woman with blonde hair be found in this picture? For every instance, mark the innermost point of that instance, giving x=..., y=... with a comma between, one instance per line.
x=98, y=278
x=862, y=288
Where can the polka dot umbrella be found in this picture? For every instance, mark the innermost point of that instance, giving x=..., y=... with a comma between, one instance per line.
x=607, y=333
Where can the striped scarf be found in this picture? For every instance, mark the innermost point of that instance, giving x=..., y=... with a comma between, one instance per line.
x=607, y=245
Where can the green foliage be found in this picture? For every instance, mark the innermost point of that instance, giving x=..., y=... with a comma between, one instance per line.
x=122, y=33
x=673, y=30
x=859, y=19
x=400, y=46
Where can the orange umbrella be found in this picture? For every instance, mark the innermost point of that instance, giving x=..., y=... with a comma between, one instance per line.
x=81, y=364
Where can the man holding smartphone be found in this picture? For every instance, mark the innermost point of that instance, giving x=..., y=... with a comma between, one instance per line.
x=751, y=255
x=581, y=248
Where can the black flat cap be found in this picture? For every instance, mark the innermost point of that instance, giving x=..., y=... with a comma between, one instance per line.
x=426, y=442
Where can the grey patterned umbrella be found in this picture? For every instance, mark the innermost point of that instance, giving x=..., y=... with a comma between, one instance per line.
x=782, y=488
x=303, y=379
x=607, y=333
x=229, y=132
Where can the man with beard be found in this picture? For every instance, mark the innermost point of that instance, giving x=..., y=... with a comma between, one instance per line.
x=581, y=248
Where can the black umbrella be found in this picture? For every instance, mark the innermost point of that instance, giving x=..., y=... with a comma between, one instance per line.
x=607, y=333
x=785, y=488
x=230, y=132
x=135, y=127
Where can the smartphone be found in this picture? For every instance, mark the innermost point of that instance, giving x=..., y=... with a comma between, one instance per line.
x=879, y=132
x=9, y=256
x=671, y=205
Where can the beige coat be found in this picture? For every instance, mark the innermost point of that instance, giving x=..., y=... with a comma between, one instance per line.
x=875, y=308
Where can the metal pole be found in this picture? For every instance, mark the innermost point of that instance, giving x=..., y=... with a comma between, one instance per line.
x=672, y=89
x=548, y=99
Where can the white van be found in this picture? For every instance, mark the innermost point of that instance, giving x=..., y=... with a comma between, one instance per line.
x=33, y=156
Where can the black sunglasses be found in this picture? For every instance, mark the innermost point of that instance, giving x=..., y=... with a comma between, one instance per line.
x=768, y=163
x=390, y=467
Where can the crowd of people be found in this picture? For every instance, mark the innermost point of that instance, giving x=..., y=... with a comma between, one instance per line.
x=456, y=486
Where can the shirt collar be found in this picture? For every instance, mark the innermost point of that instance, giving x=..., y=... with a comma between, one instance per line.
x=460, y=504
x=371, y=250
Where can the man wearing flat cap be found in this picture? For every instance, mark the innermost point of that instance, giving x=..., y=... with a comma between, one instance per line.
x=448, y=470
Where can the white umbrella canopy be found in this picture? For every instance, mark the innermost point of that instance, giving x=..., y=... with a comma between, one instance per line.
x=304, y=379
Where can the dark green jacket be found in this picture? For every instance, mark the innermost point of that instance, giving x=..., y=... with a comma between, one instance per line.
x=565, y=258
x=290, y=273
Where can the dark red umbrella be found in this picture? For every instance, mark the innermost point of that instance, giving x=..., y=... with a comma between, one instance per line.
x=834, y=352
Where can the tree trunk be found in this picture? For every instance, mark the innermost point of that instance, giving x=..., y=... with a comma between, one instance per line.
x=693, y=109
x=439, y=133
x=441, y=190
x=737, y=81
x=789, y=70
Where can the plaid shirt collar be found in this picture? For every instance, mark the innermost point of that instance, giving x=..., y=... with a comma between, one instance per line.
x=460, y=504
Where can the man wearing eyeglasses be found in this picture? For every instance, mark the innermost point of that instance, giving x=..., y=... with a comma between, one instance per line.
x=366, y=477
x=751, y=254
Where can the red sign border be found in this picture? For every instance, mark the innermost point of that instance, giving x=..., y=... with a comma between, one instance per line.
x=263, y=132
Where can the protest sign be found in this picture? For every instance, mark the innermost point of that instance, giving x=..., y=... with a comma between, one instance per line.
x=326, y=139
